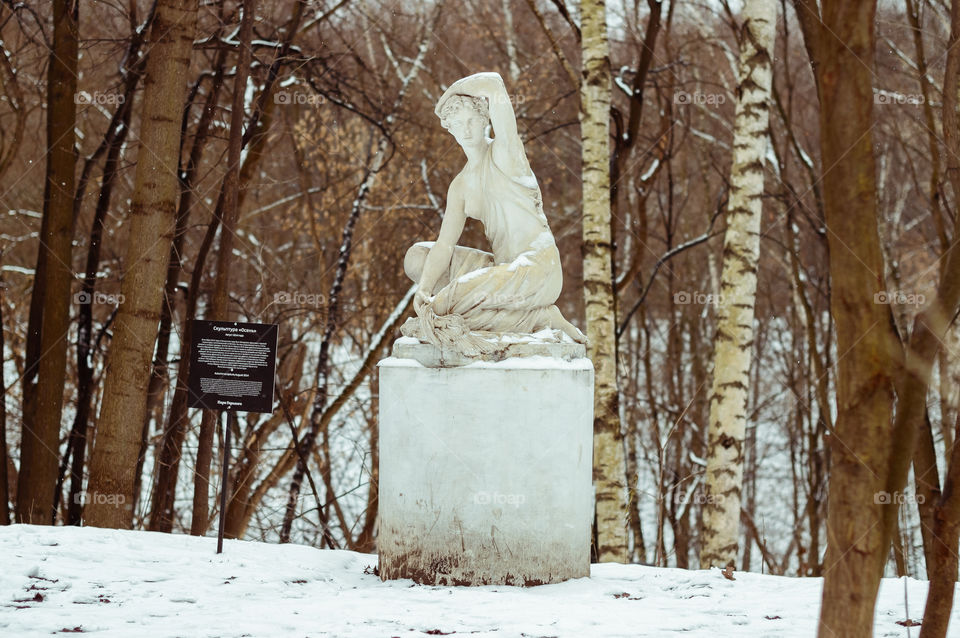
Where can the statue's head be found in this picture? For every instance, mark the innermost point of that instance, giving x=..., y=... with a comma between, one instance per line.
x=466, y=117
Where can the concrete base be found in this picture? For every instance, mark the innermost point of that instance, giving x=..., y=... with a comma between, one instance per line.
x=485, y=471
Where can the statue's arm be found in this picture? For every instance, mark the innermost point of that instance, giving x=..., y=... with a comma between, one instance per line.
x=502, y=117
x=507, y=147
x=438, y=259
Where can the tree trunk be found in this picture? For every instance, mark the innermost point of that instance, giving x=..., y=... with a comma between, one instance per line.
x=927, y=489
x=85, y=385
x=609, y=469
x=152, y=216
x=40, y=442
x=866, y=337
x=160, y=377
x=738, y=289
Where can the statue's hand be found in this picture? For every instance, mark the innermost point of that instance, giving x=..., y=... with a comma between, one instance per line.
x=420, y=300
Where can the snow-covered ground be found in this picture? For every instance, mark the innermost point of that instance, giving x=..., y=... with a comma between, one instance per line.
x=116, y=583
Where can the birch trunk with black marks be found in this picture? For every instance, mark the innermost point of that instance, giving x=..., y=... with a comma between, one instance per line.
x=609, y=470
x=152, y=217
x=738, y=287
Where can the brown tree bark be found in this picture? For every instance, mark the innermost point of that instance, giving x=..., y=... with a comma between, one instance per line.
x=625, y=137
x=152, y=218
x=77, y=446
x=14, y=94
x=49, y=323
x=927, y=486
x=866, y=338
x=160, y=377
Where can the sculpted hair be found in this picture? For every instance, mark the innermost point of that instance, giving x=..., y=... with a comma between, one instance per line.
x=456, y=102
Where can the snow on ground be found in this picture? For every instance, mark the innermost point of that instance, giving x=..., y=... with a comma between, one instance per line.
x=122, y=583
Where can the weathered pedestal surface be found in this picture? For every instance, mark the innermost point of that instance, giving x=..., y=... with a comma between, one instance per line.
x=485, y=469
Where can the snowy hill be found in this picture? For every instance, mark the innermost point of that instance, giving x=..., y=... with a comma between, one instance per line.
x=114, y=583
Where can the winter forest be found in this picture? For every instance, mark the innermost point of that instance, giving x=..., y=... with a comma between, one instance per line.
x=756, y=204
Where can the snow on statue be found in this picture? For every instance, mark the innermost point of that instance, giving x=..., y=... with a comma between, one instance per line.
x=465, y=295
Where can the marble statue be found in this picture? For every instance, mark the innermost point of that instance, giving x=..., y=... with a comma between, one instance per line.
x=467, y=296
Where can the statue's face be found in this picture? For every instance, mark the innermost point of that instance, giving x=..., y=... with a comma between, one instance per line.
x=467, y=126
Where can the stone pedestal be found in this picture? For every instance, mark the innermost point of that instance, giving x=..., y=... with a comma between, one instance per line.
x=485, y=469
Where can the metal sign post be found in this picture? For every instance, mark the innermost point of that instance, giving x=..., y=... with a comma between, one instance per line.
x=224, y=485
x=232, y=369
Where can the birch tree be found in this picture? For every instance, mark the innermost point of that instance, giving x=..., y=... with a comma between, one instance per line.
x=608, y=458
x=152, y=215
x=738, y=288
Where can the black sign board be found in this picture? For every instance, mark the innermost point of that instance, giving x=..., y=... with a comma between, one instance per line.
x=232, y=365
